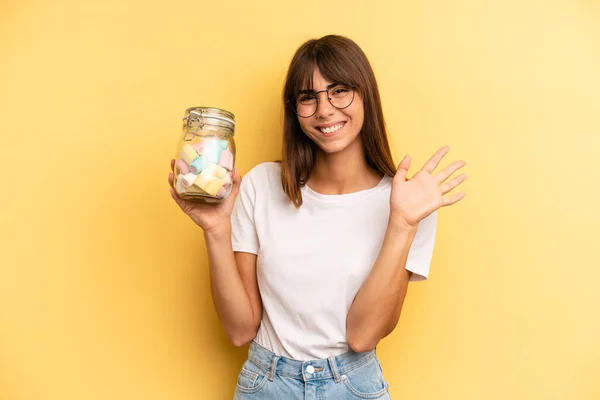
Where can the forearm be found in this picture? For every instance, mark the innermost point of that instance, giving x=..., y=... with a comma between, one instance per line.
x=376, y=307
x=229, y=295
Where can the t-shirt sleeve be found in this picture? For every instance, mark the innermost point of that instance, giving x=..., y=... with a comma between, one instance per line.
x=421, y=250
x=243, y=229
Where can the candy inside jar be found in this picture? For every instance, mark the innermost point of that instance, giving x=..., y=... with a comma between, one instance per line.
x=204, y=167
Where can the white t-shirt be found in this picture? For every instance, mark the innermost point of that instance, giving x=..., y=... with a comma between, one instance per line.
x=312, y=261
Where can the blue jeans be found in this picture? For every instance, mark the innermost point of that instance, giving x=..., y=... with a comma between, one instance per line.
x=351, y=375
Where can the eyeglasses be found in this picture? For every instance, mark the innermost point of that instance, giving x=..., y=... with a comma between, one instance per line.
x=340, y=95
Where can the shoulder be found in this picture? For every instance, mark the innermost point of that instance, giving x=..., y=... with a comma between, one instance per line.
x=262, y=184
x=265, y=173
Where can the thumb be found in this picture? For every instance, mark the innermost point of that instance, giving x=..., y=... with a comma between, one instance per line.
x=237, y=180
x=403, y=167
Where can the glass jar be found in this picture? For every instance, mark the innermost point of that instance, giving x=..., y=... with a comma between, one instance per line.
x=205, y=155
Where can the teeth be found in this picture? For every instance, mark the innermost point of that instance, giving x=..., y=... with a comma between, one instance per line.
x=332, y=129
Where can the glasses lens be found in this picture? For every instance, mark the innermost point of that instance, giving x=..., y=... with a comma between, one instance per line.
x=341, y=95
x=306, y=104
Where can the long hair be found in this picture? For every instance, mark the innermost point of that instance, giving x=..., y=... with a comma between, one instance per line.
x=340, y=60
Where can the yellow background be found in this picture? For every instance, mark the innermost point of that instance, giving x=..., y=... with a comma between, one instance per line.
x=104, y=290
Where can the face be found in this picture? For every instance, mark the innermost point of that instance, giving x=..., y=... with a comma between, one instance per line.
x=333, y=129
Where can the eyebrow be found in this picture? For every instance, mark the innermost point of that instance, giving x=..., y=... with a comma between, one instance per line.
x=314, y=91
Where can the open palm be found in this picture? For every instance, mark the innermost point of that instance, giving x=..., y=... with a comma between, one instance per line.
x=414, y=199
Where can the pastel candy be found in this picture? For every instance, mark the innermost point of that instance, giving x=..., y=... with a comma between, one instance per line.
x=179, y=188
x=220, y=172
x=211, y=168
x=226, y=160
x=188, y=154
x=212, y=151
x=195, y=189
x=203, y=179
x=205, y=168
x=223, y=144
x=213, y=187
x=227, y=179
x=198, y=164
x=223, y=191
x=183, y=167
x=198, y=147
x=204, y=145
x=188, y=179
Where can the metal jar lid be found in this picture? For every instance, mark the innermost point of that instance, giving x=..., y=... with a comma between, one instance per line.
x=200, y=116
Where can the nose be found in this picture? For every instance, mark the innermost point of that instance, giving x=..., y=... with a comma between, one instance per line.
x=324, y=107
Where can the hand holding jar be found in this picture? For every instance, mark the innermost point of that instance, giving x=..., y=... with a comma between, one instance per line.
x=208, y=216
x=204, y=182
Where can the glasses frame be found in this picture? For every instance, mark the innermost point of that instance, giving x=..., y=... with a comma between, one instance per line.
x=293, y=103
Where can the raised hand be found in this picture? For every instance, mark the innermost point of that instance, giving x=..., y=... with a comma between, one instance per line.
x=414, y=199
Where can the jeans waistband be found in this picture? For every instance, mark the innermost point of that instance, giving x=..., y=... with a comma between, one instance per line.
x=333, y=367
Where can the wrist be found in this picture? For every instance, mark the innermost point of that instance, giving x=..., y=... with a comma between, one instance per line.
x=398, y=226
x=219, y=230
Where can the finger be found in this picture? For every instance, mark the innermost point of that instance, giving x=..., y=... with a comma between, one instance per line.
x=449, y=170
x=446, y=187
x=237, y=180
x=177, y=199
x=453, y=199
x=173, y=165
x=435, y=159
x=403, y=167
x=180, y=202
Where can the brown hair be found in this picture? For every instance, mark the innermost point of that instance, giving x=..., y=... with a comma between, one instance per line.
x=339, y=59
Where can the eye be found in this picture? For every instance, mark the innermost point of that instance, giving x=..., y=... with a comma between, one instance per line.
x=306, y=98
x=340, y=90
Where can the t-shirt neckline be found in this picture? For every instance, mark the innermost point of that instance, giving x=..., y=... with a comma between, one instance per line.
x=340, y=198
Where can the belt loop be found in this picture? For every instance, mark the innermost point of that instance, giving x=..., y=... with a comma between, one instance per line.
x=334, y=369
x=271, y=373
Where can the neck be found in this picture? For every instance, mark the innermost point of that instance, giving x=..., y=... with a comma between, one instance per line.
x=342, y=172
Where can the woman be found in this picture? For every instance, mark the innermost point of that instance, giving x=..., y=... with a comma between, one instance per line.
x=310, y=258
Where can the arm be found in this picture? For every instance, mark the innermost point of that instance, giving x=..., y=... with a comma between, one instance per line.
x=233, y=286
x=233, y=282
x=376, y=308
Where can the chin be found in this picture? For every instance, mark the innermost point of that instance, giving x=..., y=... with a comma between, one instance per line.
x=338, y=145
x=332, y=147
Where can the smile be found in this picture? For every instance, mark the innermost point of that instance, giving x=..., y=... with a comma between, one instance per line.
x=333, y=128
